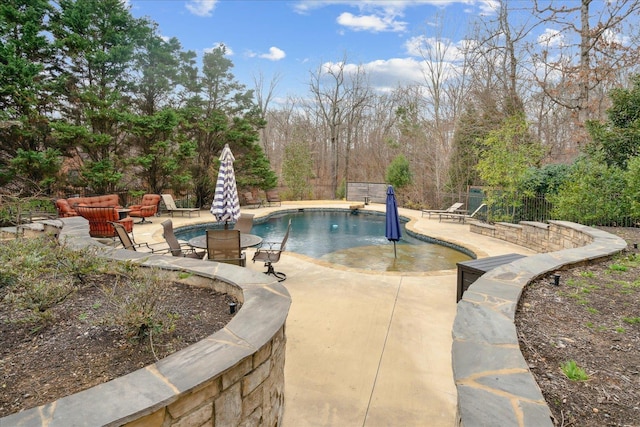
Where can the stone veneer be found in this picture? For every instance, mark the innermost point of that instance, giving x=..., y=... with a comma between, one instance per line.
x=234, y=377
x=495, y=386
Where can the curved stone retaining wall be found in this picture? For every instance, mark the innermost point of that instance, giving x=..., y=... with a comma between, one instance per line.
x=495, y=386
x=231, y=378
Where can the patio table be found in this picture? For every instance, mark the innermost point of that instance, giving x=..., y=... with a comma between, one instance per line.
x=246, y=241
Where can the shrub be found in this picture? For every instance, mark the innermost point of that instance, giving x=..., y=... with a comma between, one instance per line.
x=591, y=194
x=136, y=299
x=37, y=274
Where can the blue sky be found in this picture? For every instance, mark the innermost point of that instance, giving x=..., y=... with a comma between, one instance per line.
x=292, y=38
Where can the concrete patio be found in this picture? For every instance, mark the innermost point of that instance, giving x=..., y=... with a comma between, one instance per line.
x=367, y=348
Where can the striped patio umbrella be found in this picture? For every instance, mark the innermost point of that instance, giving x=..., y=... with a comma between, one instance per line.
x=226, y=206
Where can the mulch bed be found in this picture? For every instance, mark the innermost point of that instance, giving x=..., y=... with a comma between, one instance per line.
x=592, y=318
x=77, y=349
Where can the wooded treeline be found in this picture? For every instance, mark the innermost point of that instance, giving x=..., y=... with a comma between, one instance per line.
x=92, y=97
x=85, y=81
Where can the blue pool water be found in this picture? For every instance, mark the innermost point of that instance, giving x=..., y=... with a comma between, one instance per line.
x=356, y=241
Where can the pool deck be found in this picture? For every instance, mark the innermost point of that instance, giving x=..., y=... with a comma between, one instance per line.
x=366, y=348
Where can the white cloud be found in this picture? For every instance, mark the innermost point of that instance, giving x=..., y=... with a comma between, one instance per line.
x=488, y=7
x=386, y=75
x=443, y=49
x=274, y=54
x=370, y=22
x=227, y=51
x=382, y=15
x=551, y=38
x=201, y=7
x=615, y=37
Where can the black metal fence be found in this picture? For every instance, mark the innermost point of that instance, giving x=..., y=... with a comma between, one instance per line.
x=538, y=208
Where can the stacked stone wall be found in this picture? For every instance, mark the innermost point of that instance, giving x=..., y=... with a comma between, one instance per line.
x=537, y=236
x=234, y=377
x=494, y=384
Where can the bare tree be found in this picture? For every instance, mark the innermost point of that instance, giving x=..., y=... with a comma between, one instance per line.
x=503, y=43
x=357, y=102
x=444, y=71
x=327, y=87
x=592, y=51
x=264, y=96
x=339, y=97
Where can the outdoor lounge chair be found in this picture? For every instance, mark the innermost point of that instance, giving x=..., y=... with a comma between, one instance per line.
x=170, y=204
x=269, y=253
x=147, y=207
x=177, y=248
x=244, y=223
x=461, y=217
x=273, y=198
x=451, y=209
x=224, y=246
x=129, y=244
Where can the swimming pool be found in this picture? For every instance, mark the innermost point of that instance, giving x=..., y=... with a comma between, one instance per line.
x=351, y=240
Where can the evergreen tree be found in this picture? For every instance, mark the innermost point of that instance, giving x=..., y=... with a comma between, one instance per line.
x=163, y=153
x=99, y=40
x=399, y=172
x=507, y=155
x=618, y=139
x=223, y=113
x=28, y=90
x=297, y=171
x=471, y=130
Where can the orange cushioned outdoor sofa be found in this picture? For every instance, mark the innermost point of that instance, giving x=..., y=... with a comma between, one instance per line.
x=66, y=207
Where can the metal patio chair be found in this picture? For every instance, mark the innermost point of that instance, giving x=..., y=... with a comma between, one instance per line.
x=269, y=253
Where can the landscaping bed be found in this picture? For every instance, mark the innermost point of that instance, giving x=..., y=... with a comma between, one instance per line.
x=95, y=327
x=589, y=324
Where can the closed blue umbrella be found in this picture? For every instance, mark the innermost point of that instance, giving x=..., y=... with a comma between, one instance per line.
x=226, y=206
x=392, y=230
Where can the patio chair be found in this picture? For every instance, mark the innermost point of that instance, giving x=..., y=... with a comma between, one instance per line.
x=269, y=253
x=244, y=223
x=64, y=209
x=451, y=209
x=147, y=207
x=129, y=244
x=170, y=204
x=177, y=248
x=250, y=201
x=99, y=218
x=273, y=198
x=224, y=246
x=461, y=217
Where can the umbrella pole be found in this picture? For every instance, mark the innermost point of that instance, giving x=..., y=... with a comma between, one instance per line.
x=395, y=254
